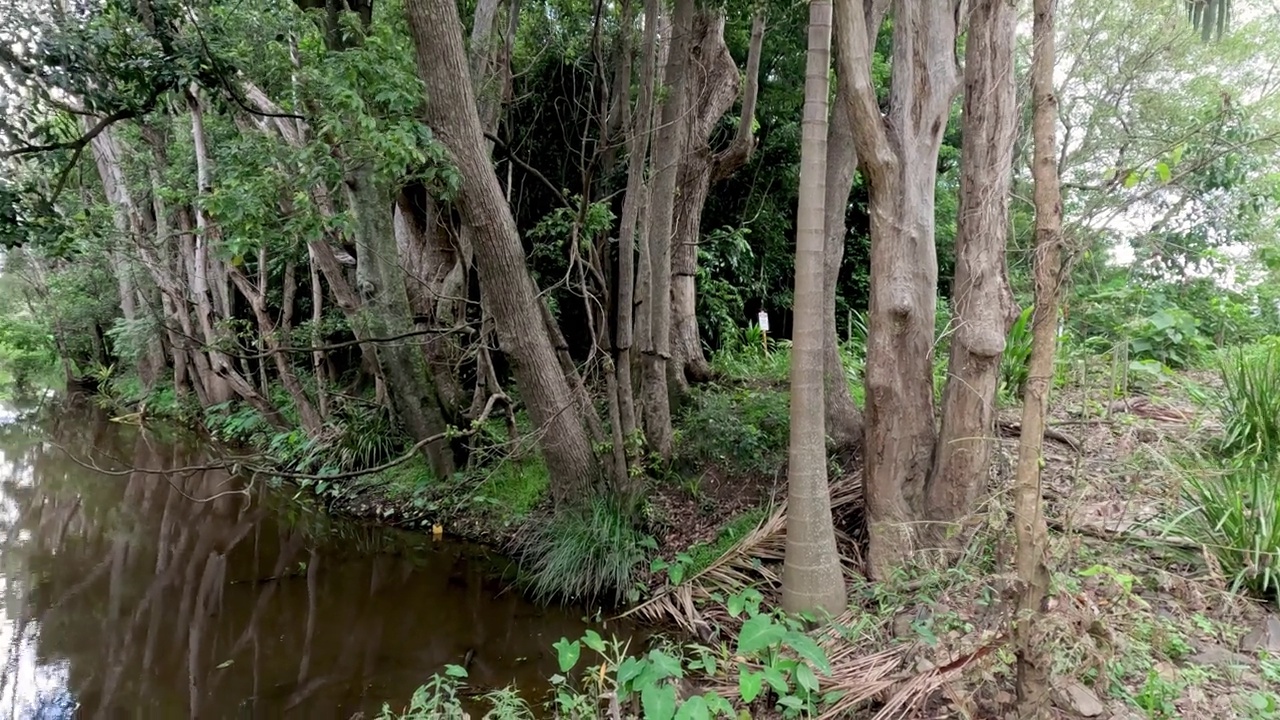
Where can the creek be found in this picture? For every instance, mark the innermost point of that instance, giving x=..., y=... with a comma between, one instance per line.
x=169, y=595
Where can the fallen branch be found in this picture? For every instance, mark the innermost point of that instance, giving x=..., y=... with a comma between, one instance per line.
x=1015, y=429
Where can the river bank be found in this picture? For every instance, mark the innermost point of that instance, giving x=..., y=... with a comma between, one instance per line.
x=1137, y=625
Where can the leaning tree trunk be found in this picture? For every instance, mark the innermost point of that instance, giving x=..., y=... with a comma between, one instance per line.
x=1033, y=575
x=711, y=87
x=984, y=308
x=899, y=154
x=511, y=295
x=812, y=580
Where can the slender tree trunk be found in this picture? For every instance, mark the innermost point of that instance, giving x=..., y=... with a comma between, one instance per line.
x=812, y=580
x=317, y=336
x=1033, y=575
x=207, y=285
x=639, y=128
x=984, y=308
x=504, y=278
x=667, y=150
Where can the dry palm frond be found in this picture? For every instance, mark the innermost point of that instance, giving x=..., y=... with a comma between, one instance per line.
x=750, y=562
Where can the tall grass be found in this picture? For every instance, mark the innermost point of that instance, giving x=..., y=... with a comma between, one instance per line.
x=1235, y=514
x=589, y=551
x=1251, y=400
x=1234, y=498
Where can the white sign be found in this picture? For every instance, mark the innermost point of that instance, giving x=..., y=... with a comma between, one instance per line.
x=763, y=320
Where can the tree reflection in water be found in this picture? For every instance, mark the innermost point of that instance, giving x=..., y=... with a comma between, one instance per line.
x=123, y=597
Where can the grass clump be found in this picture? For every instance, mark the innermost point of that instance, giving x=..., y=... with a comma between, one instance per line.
x=1251, y=400
x=1235, y=513
x=586, y=551
x=744, y=430
x=701, y=555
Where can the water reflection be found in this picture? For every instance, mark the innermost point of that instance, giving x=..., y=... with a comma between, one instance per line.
x=123, y=597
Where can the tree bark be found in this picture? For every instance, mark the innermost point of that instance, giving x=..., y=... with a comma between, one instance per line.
x=667, y=151
x=899, y=155
x=984, y=308
x=385, y=313
x=1034, y=664
x=639, y=128
x=712, y=86
x=812, y=580
x=844, y=418
x=504, y=278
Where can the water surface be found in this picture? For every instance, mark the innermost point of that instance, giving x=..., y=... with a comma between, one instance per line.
x=138, y=596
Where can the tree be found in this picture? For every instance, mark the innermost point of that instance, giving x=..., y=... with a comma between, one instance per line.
x=1033, y=575
x=898, y=151
x=812, y=579
x=504, y=278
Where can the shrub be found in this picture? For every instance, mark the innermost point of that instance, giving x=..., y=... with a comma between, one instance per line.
x=1017, y=353
x=741, y=431
x=584, y=551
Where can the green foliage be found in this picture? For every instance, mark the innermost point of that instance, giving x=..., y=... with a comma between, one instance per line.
x=514, y=487
x=586, y=550
x=1017, y=354
x=1251, y=400
x=741, y=430
x=773, y=664
x=27, y=353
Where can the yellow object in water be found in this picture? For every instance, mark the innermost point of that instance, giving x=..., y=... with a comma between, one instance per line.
x=437, y=531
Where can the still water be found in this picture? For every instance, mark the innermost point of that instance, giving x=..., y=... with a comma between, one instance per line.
x=123, y=598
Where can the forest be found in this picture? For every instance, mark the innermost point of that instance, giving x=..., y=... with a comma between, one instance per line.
x=894, y=357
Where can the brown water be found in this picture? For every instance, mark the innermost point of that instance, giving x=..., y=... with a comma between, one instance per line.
x=122, y=598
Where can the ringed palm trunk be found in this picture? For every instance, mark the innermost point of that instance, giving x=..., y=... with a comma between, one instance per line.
x=812, y=580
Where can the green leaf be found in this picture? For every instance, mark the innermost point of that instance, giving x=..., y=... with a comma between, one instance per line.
x=1177, y=154
x=664, y=665
x=567, y=653
x=593, y=640
x=717, y=704
x=659, y=702
x=736, y=604
x=676, y=573
x=806, y=679
x=1131, y=179
x=629, y=669
x=695, y=708
x=758, y=633
x=749, y=684
x=455, y=671
x=1163, y=171
x=791, y=701
x=776, y=680
x=808, y=649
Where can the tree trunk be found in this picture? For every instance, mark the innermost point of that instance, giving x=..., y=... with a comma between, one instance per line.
x=272, y=337
x=385, y=313
x=504, y=278
x=207, y=281
x=107, y=154
x=639, y=128
x=667, y=151
x=712, y=86
x=812, y=580
x=899, y=155
x=984, y=308
x=1033, y=664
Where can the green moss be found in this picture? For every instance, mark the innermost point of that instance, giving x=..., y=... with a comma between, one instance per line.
x=701, y=555
x=515, y=487
x=404, y=481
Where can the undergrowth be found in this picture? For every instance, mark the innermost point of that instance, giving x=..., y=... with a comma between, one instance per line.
x=586, y=551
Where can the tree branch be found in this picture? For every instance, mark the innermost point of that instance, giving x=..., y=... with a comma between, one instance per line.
x=871, y=137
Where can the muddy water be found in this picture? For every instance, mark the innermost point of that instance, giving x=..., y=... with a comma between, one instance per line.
x=125, y=598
